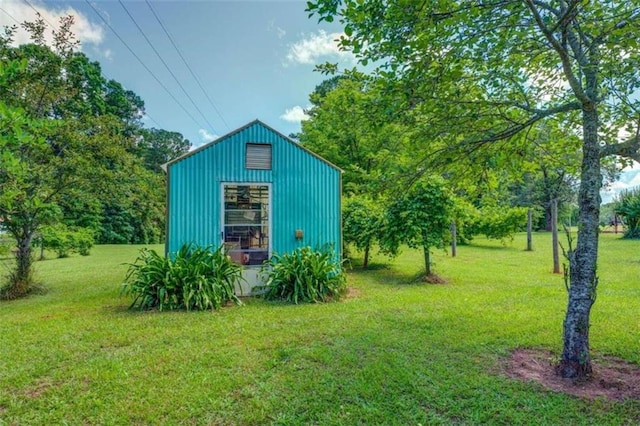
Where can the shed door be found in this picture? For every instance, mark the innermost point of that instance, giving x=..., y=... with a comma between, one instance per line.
x=246, y=222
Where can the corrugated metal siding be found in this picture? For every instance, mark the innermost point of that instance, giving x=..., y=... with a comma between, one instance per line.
x=305, y=192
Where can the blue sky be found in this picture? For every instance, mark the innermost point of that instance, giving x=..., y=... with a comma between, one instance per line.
x=254, y=59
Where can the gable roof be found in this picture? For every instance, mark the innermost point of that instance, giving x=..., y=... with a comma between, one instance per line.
x=166, y=166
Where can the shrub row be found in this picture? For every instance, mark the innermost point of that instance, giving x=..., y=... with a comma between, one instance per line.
x=201, y=278
x=65, y=241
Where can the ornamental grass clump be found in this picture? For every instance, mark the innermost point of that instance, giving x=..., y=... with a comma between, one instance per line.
x=195, y=278
x=304, y=275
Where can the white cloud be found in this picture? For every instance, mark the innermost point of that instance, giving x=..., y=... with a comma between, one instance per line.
x=272, y=27
x=311, y=48
x=206, y=137
x=295, y=114
x=629, y=178
x=83, y=29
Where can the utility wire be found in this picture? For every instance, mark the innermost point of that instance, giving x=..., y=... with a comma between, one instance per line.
x=146, y=114
x=193, y=74
x=40, y=14
x=166, y=66
x=144, y=65
x=9, y=15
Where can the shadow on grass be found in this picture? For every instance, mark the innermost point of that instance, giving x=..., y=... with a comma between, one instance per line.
x=390, y=275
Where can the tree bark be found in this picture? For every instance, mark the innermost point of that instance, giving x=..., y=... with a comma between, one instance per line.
x=21, y=279
x=554, y=236
x=529, y=228
x=454, y=239
x=547, y=217
x=427, y=260
x=365, y=261
x=576, y=360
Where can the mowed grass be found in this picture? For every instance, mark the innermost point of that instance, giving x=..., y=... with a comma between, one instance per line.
x=396, y=352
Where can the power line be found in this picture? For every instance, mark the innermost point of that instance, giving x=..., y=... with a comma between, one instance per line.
x=9, y=15
x=151, y=118
x=193, y=74
x=40, y=14
x=143, y=64
x=166, y=65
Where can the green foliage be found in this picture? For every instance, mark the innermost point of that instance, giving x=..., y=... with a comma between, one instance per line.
x=628, y=207
x=65, y=241
x=498, y=223
x=420, y=218
x=361, y=223
x=348, y=126
x=5, y=246
x=304, y=275
x=195, y=278
x=158, y=146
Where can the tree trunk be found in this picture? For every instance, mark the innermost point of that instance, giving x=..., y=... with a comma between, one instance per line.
x=576, y=360
x=547, y=217
x=427, y=260
x=554, y=236
x=454, y=239
x=21, y=278
x=529, y=228
x=365, y=261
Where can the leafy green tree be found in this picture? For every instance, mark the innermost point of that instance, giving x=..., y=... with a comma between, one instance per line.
x=627, y=206
x=59, y=142
x=482, y=72
x=348, y=128
x=361, y=223
x=420, y=218
x=24, y=204
x=157, y=147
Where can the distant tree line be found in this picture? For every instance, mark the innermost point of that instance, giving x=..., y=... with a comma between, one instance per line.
x=74, y=151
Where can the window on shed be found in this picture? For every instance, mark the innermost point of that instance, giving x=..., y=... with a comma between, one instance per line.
x=258, y=156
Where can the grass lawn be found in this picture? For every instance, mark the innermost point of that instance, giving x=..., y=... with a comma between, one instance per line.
x=396, y=352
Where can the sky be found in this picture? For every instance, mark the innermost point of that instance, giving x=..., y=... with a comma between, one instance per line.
x=236, y=61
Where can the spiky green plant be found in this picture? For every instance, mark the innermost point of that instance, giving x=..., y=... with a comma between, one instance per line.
x=304, y=275
x=628, y=207
x=194, y=278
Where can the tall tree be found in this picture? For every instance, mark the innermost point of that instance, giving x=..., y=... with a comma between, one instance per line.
x=60, y=142
x=482, y=72
x=157, y=147
x=348, y=127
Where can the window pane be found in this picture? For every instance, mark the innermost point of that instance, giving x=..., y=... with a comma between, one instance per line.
x=246, y=230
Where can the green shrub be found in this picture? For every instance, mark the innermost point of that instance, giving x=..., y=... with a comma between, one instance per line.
x=65, y=241
x=628, y=208
x=304, y=275
x=196, y=278
x=498, y=223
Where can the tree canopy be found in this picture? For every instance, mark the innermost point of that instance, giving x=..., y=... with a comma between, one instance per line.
x=74, y=149
x=480, y=75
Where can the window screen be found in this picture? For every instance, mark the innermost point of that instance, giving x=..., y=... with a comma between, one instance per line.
x=258, y=156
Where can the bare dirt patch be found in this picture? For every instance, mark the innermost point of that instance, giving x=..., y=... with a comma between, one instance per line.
x=434, y=279
x=612, y=378
x=352, y=293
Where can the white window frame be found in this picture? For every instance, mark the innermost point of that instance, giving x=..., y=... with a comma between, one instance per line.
x=269, y=213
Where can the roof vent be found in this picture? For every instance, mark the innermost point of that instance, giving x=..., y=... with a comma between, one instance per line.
x=258, y=156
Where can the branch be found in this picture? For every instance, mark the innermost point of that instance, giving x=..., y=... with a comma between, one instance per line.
x=538, y=115
x=562, y=52
x=627, y=149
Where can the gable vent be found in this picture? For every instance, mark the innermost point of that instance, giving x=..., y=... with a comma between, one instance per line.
x=258, y=156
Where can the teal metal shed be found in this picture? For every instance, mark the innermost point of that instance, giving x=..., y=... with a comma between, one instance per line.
x=257, y=192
